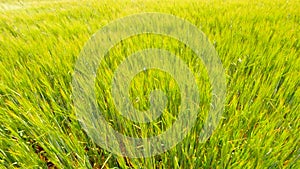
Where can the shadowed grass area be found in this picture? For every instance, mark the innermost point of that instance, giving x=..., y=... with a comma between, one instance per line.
x=258, y=44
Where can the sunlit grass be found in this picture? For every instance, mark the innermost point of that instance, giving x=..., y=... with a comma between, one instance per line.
x=257, y=42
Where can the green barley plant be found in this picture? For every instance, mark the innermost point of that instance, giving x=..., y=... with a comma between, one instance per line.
x=257, y=42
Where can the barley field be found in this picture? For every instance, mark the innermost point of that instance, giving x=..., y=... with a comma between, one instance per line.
x=257, y=43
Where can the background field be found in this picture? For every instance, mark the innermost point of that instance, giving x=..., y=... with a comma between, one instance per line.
x=258, y=44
